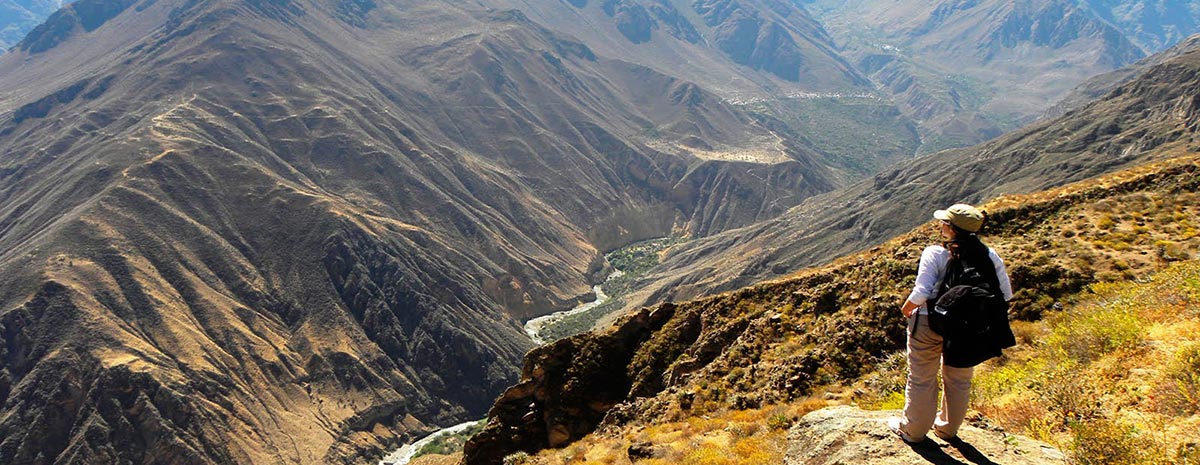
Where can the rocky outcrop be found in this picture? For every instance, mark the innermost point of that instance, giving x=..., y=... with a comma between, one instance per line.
x=850, y=435
x=566, y=389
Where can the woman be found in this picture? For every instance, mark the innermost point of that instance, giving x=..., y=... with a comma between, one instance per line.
x=959, y=225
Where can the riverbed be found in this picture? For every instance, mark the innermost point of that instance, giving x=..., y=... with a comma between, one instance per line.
x=535, y=326
x=405, y=453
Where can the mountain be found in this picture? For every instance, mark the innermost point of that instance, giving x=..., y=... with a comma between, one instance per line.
x=791, y=48
x=1148, y=118
x=1155, y=25
x=969, y=71
x=18, y=17
x=1090, y=262
x=302, y=231
x=1101, y=85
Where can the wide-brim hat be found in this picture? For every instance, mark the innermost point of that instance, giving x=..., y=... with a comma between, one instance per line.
x=962, y=216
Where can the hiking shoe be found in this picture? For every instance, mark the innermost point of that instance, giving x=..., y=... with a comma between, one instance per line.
x=952, y=439
x=894, y=425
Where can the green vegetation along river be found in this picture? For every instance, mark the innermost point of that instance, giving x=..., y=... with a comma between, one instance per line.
x=534, y=328
x=630, y=262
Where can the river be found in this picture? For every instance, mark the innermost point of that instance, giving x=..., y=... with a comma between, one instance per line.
x=405, y=453
x=535, y=326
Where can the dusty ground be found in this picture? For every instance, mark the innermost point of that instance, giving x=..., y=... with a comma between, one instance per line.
x=844, y=435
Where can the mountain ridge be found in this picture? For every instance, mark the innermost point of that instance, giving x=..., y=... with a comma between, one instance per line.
x=823, y=329
x=968, y=71
x=1140, y=120
x=252, y=232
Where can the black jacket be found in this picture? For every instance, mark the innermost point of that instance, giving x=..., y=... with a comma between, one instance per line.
x=979, y=332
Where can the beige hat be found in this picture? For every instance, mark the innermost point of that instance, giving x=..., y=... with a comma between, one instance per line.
x=963, y=216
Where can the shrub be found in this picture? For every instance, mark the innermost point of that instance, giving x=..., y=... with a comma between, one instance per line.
x=779, y=422
x=892, y=401
x=1170, y=251
x=1188, y=453
x=707, y=455
x=754, y=450
x=1069, y=394
x=1106, y=222
x=998, y=381
x=1027, y=332
x=518, y=458
x=1183, y=380
x=886, y=382
x=1105, y=442
x=742, y=429
x=1096, y=332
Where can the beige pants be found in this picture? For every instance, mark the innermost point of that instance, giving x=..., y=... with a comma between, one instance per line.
x=921, y=393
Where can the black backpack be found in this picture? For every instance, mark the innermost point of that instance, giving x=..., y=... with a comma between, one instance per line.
x=971, y=314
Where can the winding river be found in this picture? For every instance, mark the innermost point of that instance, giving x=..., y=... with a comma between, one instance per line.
x=535, y=326
x=405, y=453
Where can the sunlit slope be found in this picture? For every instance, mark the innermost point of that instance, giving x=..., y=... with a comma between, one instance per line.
x=1152, y=117
x=827, y=328
x=301, y=231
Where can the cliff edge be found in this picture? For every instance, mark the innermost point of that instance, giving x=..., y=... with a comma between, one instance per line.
x=845, y=434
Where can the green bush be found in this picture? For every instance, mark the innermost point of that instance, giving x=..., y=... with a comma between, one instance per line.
x=1096, y=332
x=519, y=458
x=1183, y=379
x=779, y=422
x=1105, y=442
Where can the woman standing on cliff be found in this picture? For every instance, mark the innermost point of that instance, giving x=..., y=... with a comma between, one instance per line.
x=959, y=225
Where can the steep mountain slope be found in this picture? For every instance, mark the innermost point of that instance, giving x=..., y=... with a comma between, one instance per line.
x=1154, y=116
x=823, y=330
x=1154, y=25
x=295, y=231
x=677, y=36
x=18, y=17
x=971, y=70
x=1101, y=85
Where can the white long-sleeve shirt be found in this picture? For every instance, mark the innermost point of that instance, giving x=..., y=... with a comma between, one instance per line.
x=933, y=266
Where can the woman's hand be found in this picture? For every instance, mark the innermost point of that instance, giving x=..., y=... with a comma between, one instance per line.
x=909, y=308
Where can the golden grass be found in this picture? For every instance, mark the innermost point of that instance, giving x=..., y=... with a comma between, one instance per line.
x=1099, y=375
x=727, y=437
x=1116, y=380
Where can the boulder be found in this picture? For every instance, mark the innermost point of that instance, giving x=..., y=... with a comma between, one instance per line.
x=844, y=434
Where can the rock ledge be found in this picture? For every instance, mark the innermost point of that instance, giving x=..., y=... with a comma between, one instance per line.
x=843, y=435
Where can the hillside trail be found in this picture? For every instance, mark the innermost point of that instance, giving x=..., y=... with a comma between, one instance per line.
x=844, y=434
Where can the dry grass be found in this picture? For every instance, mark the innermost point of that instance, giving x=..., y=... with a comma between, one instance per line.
x=1116, y=380
x=1108, y=316
x=727, y=437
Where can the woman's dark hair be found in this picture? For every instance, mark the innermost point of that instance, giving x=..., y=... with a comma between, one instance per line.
x=966, y=244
